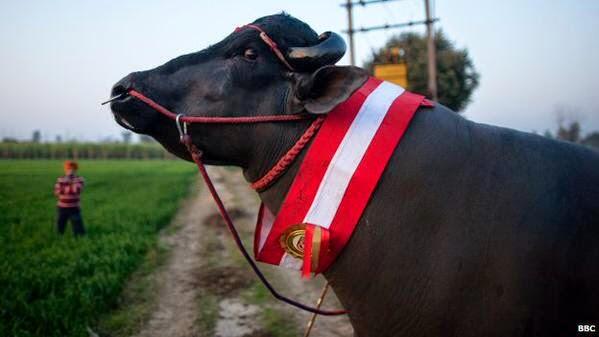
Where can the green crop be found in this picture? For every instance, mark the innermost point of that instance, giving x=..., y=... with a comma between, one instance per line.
x=70, y=150
x=53, y=285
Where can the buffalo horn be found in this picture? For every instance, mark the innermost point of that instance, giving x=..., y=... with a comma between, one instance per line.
x=330, y=49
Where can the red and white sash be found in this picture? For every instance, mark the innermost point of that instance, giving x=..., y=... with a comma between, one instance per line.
x=336, y=179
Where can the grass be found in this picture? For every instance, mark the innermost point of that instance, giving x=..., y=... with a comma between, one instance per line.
x=278, y=324
x=273, y=320
x=53, y=285
x=208, y=313
x=137, y=300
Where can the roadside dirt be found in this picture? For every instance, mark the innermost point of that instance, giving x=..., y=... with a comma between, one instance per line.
x=205, y=284
x=176, y=308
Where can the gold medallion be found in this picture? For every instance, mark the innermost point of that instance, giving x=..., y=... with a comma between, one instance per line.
x=292, y=240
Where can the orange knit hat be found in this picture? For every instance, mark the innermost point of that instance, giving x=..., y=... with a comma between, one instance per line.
x=69, y=164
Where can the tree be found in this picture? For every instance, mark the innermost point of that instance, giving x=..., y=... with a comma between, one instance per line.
x=592, y=140
x=570, y=133
x=568, y=126
x=126, y=137
x=36, y=137
x=569, y=129
x=456, y=76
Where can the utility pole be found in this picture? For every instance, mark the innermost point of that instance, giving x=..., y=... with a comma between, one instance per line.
x=432, y=58
x=432, y=65
x=350, y=32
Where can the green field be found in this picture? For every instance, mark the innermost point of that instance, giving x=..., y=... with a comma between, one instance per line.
x=57, y=286
x=75, y=150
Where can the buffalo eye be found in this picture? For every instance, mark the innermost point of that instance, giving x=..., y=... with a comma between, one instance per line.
x=250, y=54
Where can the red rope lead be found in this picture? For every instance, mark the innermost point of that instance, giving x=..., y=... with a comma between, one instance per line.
x=272, y=174
x=279, y=168
x=196, y=155
x=217, y=120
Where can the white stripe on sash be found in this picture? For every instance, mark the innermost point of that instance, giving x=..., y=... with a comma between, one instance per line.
x=267, y=221
x=350, y=153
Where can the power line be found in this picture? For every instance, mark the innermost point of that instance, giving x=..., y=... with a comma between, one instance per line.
x=390, y=26
x=364, y=2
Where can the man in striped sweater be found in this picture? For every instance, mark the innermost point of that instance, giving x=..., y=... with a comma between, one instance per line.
x=68, y=189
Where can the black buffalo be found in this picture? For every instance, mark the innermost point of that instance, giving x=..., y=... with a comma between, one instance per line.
x=474, y=230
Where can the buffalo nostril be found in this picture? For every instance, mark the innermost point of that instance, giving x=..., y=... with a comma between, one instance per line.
x=119, y=90
x=124, y=85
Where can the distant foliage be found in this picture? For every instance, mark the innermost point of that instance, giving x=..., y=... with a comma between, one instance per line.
x=36, y=137
x=592, y=140
x=72, y=150
x=54, y=286
x=570, y=133
x=457, y=77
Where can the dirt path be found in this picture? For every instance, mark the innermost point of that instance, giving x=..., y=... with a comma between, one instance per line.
x=176, y=308
x=206, y=288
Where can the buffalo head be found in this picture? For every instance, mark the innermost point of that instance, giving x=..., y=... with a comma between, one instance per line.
x=241, y=76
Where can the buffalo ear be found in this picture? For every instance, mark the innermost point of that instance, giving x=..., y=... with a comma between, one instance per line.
x=323, y=90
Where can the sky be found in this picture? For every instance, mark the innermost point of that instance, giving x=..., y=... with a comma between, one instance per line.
x=59, y=59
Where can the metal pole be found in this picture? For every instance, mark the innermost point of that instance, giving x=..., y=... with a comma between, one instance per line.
x=432, y=63
x=350, y=32
x=318, y=304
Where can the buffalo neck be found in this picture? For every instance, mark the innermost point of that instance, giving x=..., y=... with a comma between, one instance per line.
x=267, y=152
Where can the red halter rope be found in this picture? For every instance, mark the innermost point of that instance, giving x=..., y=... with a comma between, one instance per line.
x=262, y=183
x=196, y=155
x=269, y=42
x=280, y=167
x=216, y=120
